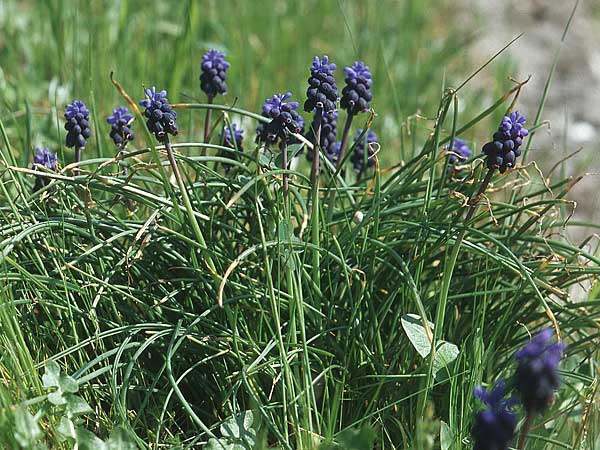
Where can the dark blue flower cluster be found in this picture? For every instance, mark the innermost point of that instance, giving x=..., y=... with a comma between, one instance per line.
x=503, y=151
x=460, y=151
x=537, y=377
x=356, y=95
x=120, y=126
x=161, y=119
x=284, y=119
x=328, y=136
x=235, y=142
x=78, y=124
x=494, y=426
x=322, y=90
x=214, y=72
x=364, y=144
x=44, y=157
x=238, y=137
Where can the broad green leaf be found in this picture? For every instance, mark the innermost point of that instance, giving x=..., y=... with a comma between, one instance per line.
x=445, y=436
x=56, y=398
x=68, y=383
x=88, y=440
x=27, y=430
x=85, y=439
x=76, y=405
x=240, y=427
x=120, y=440
x=292, y=151
x=218, y=444
x=285, y=231
x=445, y=354
x=51, y=374
x=59, y=382
x=414, y=329
x=266, y=159
x=357, y=438
x=66, y=429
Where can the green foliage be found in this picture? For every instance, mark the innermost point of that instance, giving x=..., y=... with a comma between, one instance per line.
x=237, y=433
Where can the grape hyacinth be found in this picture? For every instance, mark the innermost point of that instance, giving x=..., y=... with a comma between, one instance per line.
x=120, y=130
x=494, y=426
x=356, y=95
x=536, y=377
x=328, y=135
x=161, y=119
x=43, y=157
x=78, y=126
x=503, y=151
x=235, y=143
x=460, y=151
x=362, y=144
x=284, y=118
x=214, y=73
x=261, y=130
x=322, y=90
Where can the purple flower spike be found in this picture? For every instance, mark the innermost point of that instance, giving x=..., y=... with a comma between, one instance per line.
x=161, y=119
x=238, y=135
x=284, y=119
x=214, y=72
x=460, y=151
x=356, y=95
x=328, y=136
x=120, y=130
x=537, y=377
x=494, y=426
x=44, y=157
x=503, y=151
x=235, y=143
x=358, y=157
x=78, y=124
x=322, y=90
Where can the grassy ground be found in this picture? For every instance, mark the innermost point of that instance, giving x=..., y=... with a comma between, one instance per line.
x=107, y=275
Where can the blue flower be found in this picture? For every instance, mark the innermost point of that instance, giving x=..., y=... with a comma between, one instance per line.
x=161, y=119
x=120, y=130
x=284, y=119
x=537, y=377
x=460, y=151
x=494, y=426
x=322, y=90
x=214, y=72
x=78, y=124
x=238, y=134
x=356, y=95
x=503, y=151
x=226, y=138
x=362, y=145
x=44, y=157
x=328, y=136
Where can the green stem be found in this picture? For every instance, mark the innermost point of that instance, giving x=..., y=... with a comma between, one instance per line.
x=207, y=124
x=344, y=142
x=447, y=277
x=524, y=432
x=284, y=157
x=189, y=210
x=315, y=198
